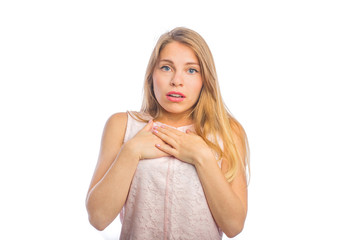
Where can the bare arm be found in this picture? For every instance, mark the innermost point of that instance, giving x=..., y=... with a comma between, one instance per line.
x=227, y=201
x=115, y=168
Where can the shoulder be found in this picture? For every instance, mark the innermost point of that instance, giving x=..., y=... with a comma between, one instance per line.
x=117, y=121
x=140, y=116
x=239, y=135
x=120, y=117
x=115, y=126
x=236, y=127
x=240, y=142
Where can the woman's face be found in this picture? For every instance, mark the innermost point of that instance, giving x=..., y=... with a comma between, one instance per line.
x=177, y=78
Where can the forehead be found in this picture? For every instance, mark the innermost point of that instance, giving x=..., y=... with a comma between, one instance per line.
x=177, y=51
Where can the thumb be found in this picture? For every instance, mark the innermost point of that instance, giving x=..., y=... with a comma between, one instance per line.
x=148, y=126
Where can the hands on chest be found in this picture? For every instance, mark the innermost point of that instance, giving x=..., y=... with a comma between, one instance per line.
x=163, y=141
x=187, y=147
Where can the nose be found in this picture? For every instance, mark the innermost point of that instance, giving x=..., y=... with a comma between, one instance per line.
x=177, y=80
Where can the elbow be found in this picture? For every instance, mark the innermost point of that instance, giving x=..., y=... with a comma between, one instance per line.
x=234, y=230
x=96, y=218
x=100, y=214
x=97, y=224
x=233, y=233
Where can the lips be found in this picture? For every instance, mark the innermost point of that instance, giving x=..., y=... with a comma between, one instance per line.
x=175, y=96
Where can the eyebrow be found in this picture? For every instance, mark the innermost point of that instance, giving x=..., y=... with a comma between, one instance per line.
x=188, y=63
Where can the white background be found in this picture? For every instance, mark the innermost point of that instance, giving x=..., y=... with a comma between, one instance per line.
x=288, y=71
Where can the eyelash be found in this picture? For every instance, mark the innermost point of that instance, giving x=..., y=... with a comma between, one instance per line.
x=163, y=67
x=194, y=69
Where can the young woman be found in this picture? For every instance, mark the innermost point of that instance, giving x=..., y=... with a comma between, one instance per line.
x=177, y=168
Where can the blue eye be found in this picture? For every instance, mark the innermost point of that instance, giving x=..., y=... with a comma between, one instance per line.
x=192, y=70
x=166, y=68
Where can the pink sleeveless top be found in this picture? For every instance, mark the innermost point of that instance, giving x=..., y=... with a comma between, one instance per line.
x=166, y=199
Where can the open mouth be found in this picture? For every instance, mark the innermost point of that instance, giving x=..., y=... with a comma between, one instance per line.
x=175, y=96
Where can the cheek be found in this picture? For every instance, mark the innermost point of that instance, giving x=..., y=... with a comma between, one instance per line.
x=156, y=88
x=197, y=85
x=157, y=85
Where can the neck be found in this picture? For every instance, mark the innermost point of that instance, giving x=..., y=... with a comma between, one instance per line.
x=174, y=119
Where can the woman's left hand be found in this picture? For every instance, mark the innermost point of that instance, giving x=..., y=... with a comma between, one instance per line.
x=187, y=147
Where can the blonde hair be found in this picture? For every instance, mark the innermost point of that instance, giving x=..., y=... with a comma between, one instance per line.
x=210, y=115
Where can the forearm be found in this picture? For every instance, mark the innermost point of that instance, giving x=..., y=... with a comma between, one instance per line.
x=226, y=207
x=107, y=197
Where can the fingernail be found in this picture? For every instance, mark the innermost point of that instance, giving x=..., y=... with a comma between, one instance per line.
x=156, y=127
x=163, y=126
x=155, y=131
x=158, y=145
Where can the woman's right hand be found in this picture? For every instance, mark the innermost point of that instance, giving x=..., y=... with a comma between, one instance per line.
x=143, y=144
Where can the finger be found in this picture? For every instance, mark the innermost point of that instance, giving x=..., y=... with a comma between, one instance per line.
x=166, y=138
x=167, y=149
x=169, y=131
x=148, y=126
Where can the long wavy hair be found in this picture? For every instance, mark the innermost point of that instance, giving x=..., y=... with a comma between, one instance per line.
x=212, y=120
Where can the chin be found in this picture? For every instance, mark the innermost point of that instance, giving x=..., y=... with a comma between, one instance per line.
x=176, y=109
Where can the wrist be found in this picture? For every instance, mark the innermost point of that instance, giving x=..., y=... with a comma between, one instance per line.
x=204, y=158
x=129, y=148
